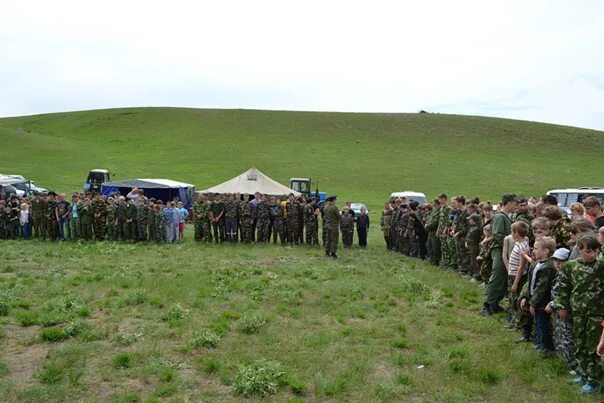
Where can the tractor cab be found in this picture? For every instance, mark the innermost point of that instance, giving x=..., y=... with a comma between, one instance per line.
x=96, y=178
x=304, y=186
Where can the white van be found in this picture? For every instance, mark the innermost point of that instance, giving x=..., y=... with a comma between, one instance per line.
x=410, y=196
x=566, y=197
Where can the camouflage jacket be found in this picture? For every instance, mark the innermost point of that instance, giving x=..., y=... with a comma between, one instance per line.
x=444, y=221
x=309, y=214
x=99, y=207
x=230, y=209
x=432, y=220
x=293, y=210
x=347, y=222
x=581, y=288
x=561, y=233
x=263, y=211
x=386, y=220
x=245, y=210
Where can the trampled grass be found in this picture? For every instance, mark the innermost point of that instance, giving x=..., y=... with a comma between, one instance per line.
x=221, y=323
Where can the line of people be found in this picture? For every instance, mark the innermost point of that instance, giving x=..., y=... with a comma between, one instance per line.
x=547, y=264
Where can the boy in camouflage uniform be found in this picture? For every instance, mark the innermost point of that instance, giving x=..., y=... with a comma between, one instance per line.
x=52, y=223
x=142, y=211
x=263, y=217
x=86, y=218
x=473, y=244
x=99, y=209
x=581, y=291
x=111, y=219
x=277, y=221
x=246, y=218
x=385, y=222
x=347, y=227
x=38, y=214
x=310, y=222
x=292, y=219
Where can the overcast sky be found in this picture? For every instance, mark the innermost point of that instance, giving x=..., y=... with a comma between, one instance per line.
x=534, y=60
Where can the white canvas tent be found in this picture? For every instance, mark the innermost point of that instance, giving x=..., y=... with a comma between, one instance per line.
x=252, y=181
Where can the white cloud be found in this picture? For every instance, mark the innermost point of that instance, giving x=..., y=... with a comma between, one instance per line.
x=535, y=60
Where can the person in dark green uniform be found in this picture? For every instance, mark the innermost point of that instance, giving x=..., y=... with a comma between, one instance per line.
x=501, y=226
x=332, y=223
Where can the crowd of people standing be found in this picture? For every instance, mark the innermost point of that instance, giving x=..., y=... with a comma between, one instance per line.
x=548, y=264
x=217, y=218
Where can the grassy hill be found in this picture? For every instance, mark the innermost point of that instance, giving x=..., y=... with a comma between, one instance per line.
x=359, y=156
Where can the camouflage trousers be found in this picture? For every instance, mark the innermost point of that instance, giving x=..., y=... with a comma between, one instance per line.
x=247, y=229
x=263, y=230
x=518, y=317
x=100, y=228
x=473, y=265
x=586, y=332
x=412, y=246
x=293, y=231
x=141, y=229
x=39, y=224
x=112, y=231
x=278, y=231
x=52, y=226
x=130, y=231
x=347, y=236
x=563, y=339
x=433, y=246
x=448, y=259
x=202, y=230
x=312, y=233
x=463, y=257
x=75, y=228
x=87, y=232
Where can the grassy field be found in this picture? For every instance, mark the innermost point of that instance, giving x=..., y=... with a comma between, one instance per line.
x=191, y=322
x=362, y=157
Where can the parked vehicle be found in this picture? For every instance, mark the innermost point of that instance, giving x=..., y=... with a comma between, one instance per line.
x=356, y=207
x=304, y=186
x=96, y=177
x=410, y=196
x=566, y=197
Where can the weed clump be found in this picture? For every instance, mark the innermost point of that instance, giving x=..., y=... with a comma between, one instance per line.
x=51, y=373
x=260, y=378
x=250, y=324
x=174, y=315
x=122, y=361
x=53, y=334
x=207, y=339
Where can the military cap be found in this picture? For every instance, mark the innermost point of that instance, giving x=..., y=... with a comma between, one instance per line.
x=331, y=198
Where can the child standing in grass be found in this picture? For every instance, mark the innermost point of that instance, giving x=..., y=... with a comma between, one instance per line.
x=473, y=245
x=537, y=292
x=581, y=292
x=516, y=273
x=563, y=329
x=24, y=220
x=484, y=258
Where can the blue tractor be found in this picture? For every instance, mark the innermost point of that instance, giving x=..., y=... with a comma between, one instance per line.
x=304, y=186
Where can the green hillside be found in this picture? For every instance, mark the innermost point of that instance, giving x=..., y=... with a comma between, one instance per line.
x=357, y=155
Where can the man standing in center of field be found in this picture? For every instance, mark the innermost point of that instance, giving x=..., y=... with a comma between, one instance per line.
x=332, y=222
x=501, y=226
x=38, y=211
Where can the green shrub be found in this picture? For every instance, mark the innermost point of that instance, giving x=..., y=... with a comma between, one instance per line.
x=51, y=373
x=174, y=315
x=126, y=339
x=401, y=342
x=165, y=390
x=207, y=339
x=211, y=365
x=297, y=387
x=251, y=323
x=133, y=297
x=4, y=307
x=27, y=318
x=489, y=376
x=53, y=334
x=260, y=378
x=122, y=361
x=130, y=397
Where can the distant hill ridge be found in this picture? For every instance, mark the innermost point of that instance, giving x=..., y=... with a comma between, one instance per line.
x=360, y=156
